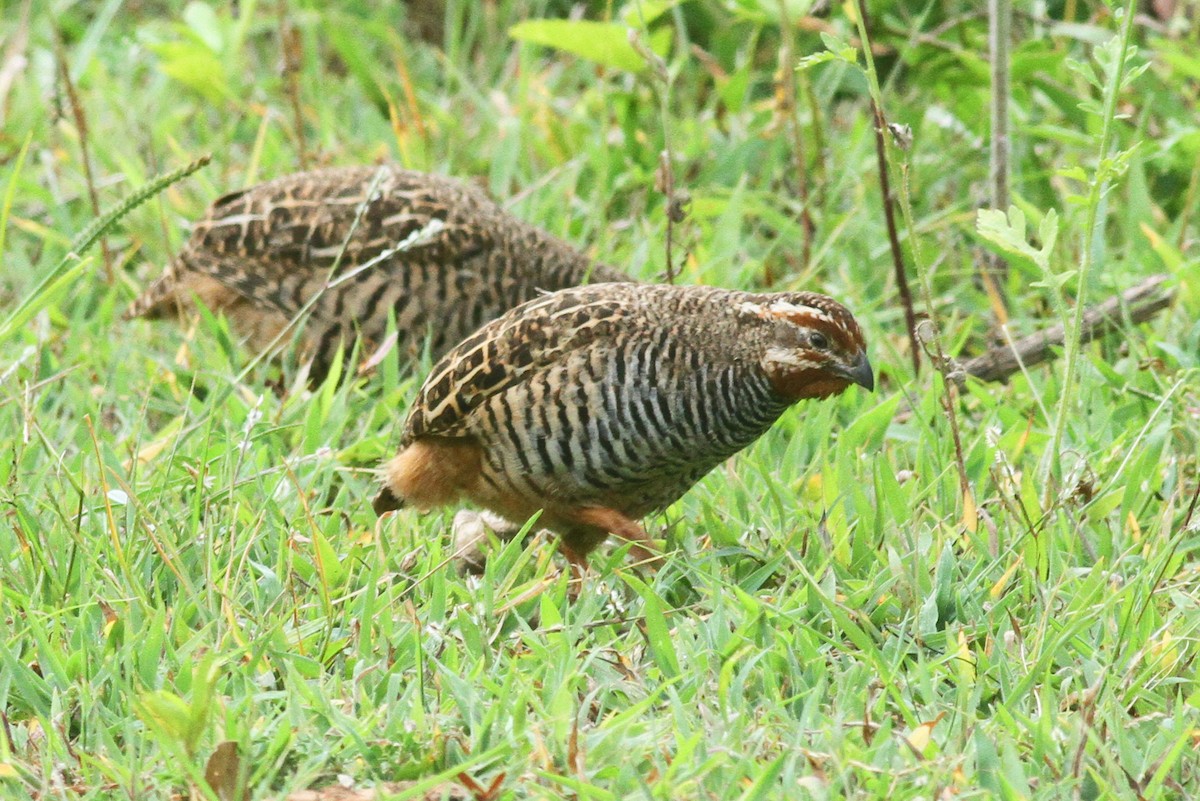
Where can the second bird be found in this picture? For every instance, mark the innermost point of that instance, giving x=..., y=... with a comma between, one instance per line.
x=357, y=245
x=600, y=405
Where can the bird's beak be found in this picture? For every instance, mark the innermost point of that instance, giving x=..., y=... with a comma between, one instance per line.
x=862, y=374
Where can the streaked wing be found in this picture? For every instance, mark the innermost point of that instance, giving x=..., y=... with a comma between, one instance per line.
x=512, y=349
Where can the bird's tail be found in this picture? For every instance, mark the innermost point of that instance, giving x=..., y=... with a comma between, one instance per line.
x=387, y=501
x=159, y=299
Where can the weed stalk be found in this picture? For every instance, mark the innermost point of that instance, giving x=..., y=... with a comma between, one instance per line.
x=1087, y=259
x=883, y=152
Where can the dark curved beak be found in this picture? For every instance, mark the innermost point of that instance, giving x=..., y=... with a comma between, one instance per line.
x=861, y=373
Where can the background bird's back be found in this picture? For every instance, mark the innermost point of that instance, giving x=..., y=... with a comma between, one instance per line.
x=356, y=246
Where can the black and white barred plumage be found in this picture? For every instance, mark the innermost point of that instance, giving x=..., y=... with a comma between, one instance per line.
x=618, y=397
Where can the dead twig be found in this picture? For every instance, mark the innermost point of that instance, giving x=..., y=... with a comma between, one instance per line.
x=664, y=182
x=664, y=177
x=81, y=126
x=290, y=47
x=786, y=99
x=1135, y=305
x=1187, y=521
x=889, y=215
x=995, y=269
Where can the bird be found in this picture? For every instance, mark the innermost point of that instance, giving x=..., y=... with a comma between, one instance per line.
x=597, y=406
x=359, y=246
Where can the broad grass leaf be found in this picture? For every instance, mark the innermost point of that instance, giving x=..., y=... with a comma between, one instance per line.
x=332, y=571
x=605, y=43
x=346, y=40
x=868, y=430
x=166, y=713
x=765, y=785
x=47, y=296
x=195, y=66
x=642, y=12
x=182, y=722
x=658, y=635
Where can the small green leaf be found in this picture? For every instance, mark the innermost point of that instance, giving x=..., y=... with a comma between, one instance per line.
x=1048, y=231
x=927, y=616
x=1074, y=173
x=836, y=49
x=834, y=43
x=1008, y=233
x=1084, y=70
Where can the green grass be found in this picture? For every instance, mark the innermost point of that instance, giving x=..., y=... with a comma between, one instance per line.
x=189, y=557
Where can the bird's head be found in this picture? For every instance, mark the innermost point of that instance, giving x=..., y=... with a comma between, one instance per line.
x=814, y=346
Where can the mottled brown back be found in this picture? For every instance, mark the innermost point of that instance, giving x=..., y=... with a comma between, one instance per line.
x=361, y=244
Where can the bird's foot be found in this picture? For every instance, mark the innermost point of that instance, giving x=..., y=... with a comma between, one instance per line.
x=471, y=530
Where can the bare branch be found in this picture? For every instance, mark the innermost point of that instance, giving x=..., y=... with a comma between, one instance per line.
x=1135, y=305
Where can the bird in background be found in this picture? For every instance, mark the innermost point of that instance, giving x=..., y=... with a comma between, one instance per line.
x=359, y=246
x=597, y=406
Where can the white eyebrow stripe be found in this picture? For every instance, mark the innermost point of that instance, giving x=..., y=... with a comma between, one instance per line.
x=746, y=307
x=784, y=307
x=780, y=308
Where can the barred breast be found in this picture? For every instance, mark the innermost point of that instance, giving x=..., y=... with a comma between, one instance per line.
x=599, y=405
x=628, y=422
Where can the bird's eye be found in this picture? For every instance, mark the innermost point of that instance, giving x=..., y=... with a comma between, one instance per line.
x=818, y=341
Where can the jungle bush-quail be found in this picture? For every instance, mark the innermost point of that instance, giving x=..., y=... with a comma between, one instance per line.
x=436, y=252
x=600, y=405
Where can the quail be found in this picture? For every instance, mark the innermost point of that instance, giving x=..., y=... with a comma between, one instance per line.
x=600, y=405
x=359, y=245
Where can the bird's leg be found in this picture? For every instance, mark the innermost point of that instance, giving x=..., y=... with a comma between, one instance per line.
x=470, y=530
x=643, y=548
x=577, y=564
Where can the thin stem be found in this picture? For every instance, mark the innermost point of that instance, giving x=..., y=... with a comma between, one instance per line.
x=882, y=149
x=81, y=126
x=885, y=157
x=664, y=179
x=1187, y=520
x=999, y=40
x=948, y=386
x=790, y=108
x=1000, y=31
x=1098, y=188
